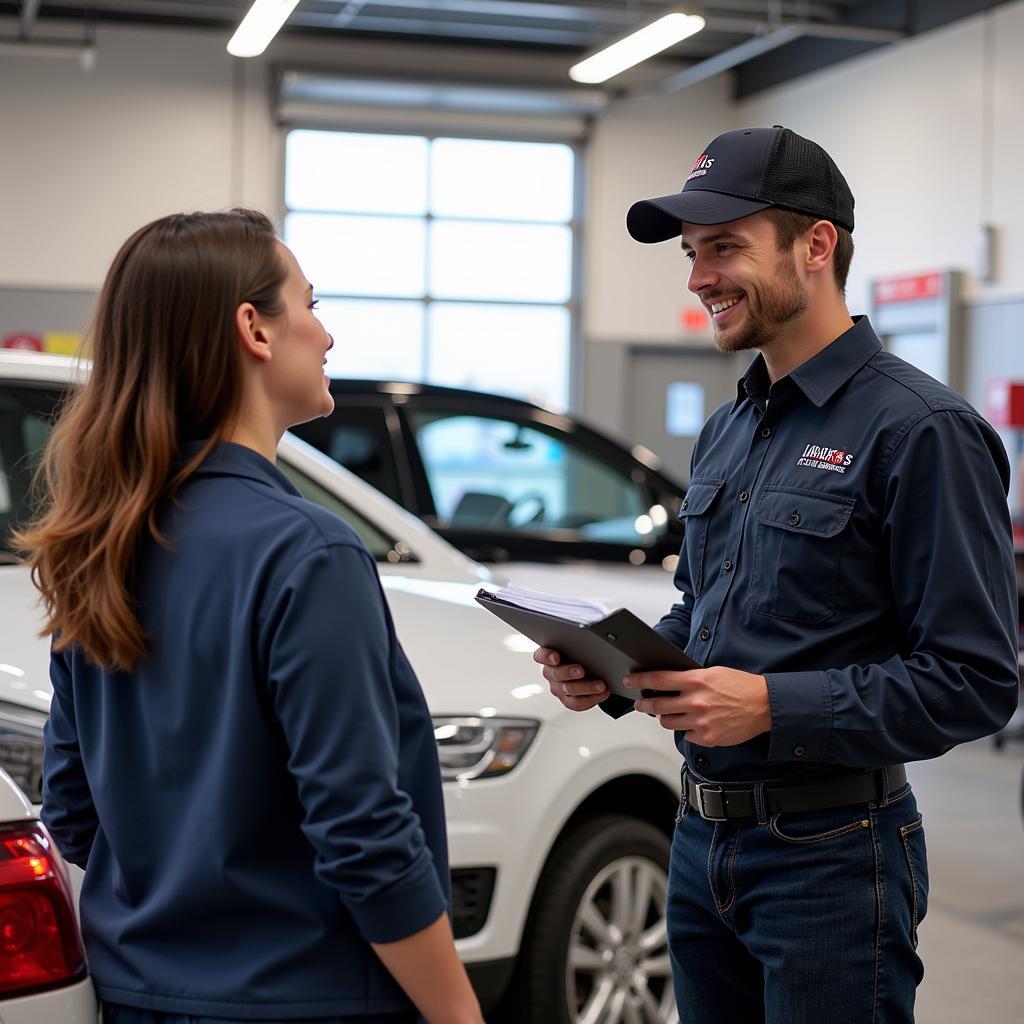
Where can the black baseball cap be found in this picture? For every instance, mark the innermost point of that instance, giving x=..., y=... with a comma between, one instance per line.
x=743, y=172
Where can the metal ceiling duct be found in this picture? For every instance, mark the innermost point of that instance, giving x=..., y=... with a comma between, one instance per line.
x=772, y=39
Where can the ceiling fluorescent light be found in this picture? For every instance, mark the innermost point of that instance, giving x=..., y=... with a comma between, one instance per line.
x=638, y=46
x=259, y=26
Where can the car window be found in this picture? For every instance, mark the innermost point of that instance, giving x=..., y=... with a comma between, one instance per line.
x=382, y=547
x=494, y=473
x=26, y=416
x=356, y=436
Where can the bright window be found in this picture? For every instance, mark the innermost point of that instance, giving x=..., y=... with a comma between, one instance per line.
x=495, y=260
x=360, y=255
x=443, y=260
x=356, y=173
x=470, y=344
x=374, y=338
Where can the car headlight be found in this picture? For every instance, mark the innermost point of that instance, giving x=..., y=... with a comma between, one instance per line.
x=21, y=748
x=481, y=748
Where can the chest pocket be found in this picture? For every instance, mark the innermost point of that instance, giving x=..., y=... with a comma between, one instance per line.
x=797, y=553
x=695, y=513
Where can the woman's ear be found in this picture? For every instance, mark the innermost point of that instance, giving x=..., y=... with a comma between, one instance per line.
x=252, y=332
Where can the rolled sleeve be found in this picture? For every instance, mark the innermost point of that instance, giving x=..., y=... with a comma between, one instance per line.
x=331, y=678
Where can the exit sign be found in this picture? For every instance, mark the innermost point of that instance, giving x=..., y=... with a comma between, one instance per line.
x=693, y=320
x=908, y=289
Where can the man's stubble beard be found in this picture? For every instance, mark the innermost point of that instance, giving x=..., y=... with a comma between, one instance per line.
x=780, y=300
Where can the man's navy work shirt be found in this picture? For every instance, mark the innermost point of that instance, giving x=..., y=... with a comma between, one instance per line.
x=260, y=798
x=847, y=536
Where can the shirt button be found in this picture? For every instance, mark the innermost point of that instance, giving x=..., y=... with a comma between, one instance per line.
x=766, y=431
x=686, y=502
x=705, y=633
x=727, y=565
x=794, y=519
x=701, y=760
x=744, y=495
x=799, y=750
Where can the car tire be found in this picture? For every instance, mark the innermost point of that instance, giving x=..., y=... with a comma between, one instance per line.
x=588, y=906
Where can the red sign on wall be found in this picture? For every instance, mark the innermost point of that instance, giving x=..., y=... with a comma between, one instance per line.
x=1004, y=403
x=907, y=289
x=25, y=342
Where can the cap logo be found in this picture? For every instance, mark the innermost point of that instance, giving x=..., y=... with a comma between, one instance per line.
x=701, y=167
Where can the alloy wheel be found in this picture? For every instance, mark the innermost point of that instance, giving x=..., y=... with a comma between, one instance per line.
x=617, y=969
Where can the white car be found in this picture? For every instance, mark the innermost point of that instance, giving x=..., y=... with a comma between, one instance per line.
x=559, y=824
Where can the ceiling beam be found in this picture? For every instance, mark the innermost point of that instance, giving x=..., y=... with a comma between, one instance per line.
x=772, y=40
x=729, y=59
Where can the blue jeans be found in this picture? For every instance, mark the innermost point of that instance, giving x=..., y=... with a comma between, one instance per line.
x=802, y=919
x=113, y=1014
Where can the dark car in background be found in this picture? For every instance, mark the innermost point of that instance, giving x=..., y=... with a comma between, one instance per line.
x=502, y=479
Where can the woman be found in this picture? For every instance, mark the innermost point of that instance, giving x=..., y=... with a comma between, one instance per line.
x=238, y=752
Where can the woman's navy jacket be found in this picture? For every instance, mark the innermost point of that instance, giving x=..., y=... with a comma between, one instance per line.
x=260, y=798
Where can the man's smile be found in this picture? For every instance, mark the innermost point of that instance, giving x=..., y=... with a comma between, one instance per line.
x=720, y=308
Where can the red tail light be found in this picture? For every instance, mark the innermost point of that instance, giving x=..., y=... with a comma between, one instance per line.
x=39, y=942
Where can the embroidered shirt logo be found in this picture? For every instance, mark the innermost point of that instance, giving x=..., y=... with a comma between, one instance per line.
x=835, y=460
x=701, y=167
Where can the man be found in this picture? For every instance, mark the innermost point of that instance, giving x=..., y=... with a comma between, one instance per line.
x=847, y=578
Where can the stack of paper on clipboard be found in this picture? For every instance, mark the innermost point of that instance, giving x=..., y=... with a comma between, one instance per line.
x=574, y=609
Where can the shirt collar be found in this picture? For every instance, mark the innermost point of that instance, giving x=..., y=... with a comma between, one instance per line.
x=823, y=374
x=230, y=459
x=753, y=385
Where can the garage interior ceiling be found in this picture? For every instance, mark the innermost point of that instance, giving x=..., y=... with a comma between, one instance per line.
x=765, y=42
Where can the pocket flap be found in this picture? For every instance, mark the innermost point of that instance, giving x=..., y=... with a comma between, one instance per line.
x=790, y=508
x=699, y=496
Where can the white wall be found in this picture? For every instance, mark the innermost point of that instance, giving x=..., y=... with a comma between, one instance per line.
x=643, y=147
x=1008, y=147
x=89, y=157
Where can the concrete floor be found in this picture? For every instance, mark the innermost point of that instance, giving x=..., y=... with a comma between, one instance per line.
x=972, y=941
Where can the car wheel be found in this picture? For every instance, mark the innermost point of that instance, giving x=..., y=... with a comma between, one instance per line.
x=596, y=946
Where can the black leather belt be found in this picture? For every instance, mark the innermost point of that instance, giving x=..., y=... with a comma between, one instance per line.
x=716, y=801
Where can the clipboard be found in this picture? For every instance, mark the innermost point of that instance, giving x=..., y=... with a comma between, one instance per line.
x=608, y=649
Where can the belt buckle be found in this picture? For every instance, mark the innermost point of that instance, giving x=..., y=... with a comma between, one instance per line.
x=702, y=809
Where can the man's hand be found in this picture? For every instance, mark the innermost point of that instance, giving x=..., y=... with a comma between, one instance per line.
x=716, y=707
x=567, y=682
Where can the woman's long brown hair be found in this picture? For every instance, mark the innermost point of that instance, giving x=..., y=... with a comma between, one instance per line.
x=166, y=369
